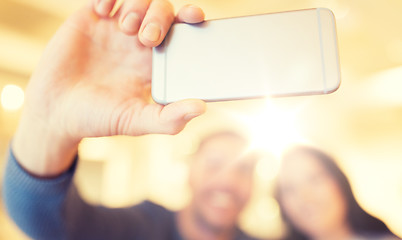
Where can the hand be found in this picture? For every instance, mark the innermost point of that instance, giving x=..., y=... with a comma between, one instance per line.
x=94, y=80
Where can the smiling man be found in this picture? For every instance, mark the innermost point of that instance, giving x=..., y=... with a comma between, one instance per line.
x=221, y=179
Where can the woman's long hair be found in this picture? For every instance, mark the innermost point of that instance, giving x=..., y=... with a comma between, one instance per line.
x=361, y=222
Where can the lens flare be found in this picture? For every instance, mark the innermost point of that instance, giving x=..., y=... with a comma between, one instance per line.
x=273, y=128
x=12, y=97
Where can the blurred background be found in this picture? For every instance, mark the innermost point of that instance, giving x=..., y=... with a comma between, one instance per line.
x=360, y=124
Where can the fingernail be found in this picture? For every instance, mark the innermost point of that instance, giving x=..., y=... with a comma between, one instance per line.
x=190, y=116
x=131, y=22
x=152, y=32
x=103, y=7
x=192, y=6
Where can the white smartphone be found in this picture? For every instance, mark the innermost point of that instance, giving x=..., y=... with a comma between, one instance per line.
x=277, y=54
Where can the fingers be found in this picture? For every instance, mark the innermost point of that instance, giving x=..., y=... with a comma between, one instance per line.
x=156, y=23
x=151, y=20
x=131, y=15
x=190, y=14
x=103, y=7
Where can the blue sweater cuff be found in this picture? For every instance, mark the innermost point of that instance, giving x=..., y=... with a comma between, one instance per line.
x=17, y=175
x=36, y=204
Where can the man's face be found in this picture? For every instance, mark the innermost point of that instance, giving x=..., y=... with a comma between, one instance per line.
x=221, y=180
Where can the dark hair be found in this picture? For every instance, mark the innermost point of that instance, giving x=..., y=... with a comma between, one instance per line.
x=359, y=220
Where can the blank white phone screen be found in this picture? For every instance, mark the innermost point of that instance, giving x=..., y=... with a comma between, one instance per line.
x=291, y=53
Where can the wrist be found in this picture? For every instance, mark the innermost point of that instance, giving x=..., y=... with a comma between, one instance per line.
x=41, y=150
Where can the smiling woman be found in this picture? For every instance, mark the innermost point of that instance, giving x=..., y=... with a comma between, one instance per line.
x=317, y=201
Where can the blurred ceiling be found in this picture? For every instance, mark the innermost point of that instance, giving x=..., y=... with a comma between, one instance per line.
x=361, y=123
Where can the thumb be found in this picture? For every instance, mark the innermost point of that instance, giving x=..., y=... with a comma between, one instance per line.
x=175, y=116
x=169, y=119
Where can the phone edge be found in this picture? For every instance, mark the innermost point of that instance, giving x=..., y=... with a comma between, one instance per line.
x=158, y=91
x=324, y=51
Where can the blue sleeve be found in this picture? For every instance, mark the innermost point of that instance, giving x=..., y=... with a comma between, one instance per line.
x=35, y=204
x=52, y=209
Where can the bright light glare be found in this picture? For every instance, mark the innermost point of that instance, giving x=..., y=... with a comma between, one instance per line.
x=273, y=128
x=267, y=169
x=12, y=97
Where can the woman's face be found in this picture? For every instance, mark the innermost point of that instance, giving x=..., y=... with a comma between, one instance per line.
x=310, y=196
